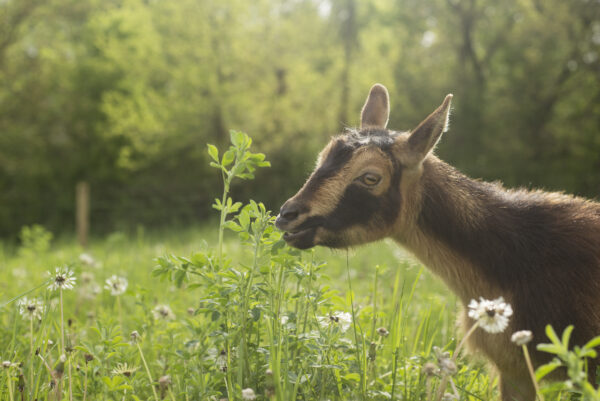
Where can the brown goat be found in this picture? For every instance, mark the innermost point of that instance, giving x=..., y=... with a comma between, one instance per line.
x=538, y=250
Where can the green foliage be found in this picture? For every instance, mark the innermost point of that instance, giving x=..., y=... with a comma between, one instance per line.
x=259, y=316
x=35, y=239
x=573, y=360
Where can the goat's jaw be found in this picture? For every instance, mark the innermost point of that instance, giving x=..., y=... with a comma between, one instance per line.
x=303, y=239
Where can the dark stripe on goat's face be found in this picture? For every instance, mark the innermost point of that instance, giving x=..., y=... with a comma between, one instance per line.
x=358, y=206
x=339, y=155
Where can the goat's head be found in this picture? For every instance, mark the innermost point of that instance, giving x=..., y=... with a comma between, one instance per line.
x=356, y=193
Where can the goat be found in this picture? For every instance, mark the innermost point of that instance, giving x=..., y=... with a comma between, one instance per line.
x=539, y=250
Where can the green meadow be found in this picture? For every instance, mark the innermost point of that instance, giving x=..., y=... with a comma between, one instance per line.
x=227, y=311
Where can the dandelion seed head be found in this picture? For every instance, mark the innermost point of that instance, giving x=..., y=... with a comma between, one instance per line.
x=116, y=285
x=31, y=308
x=63, y=278
x=492, y=315
x=521, y=337
x=163, y=312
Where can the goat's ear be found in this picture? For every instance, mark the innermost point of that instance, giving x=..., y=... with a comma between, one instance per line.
x=427, y=134
x=376, y=111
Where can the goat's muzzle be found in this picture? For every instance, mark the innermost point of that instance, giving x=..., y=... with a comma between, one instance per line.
x=292, y=219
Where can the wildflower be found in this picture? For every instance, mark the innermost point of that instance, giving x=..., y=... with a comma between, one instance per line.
x=135, y=336
x=248, y=394
x=164, y=382
x=6, y=364
x=492, y=316
x=88, y=260
x=221, y=361
x=163, y=312
x=521, y=337
x=124, y=369
x=284, y=319
x=430, y=369
x=30, y=308
x=344, y=319
x=88, y=358
x=116, y=285
x=62, y=278
x=87, y=277
x=446, y=364
x=383, y=332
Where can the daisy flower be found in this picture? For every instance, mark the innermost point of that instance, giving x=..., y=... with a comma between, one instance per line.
x=492, y=316
x=344, y=319
x=62, y=278
x=30, y=308
x=124, y=369
x=163, y=312
x=521, y=337
x=116, y=285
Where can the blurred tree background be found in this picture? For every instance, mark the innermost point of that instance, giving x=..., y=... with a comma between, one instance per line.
x=125, y=95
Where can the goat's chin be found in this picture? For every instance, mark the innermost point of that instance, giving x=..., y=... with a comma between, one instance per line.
x=303, y=239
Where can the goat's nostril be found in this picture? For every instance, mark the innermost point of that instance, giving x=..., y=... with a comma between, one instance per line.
x=289, y=214
x=289, y=211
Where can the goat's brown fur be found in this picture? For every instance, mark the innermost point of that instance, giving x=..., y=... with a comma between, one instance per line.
x=539, y=250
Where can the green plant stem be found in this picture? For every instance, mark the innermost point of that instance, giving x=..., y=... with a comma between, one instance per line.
x=226, y=182
x=444, y=381
x=532, y=372
x=31, y=354
x=85, y=382
x=363, y=379
x=147, y=371
x=62, y=324
x=70, y=379
x=9, y=384
x=120, y=313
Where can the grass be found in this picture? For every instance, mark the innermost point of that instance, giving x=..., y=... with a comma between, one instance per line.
x=228, y=312
x=390, y=290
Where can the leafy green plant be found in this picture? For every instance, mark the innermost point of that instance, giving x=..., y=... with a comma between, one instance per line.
x=574, y=360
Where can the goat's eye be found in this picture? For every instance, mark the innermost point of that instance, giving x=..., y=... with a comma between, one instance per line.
x=370, y=179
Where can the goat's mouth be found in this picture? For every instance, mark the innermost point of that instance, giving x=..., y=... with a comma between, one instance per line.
x=301, y=239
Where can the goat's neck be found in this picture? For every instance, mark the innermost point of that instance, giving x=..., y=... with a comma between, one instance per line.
x=453, y=210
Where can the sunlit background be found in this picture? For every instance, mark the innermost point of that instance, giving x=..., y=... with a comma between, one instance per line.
x=124, y=95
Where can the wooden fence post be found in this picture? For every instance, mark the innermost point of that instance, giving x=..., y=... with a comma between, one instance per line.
x=82, y=212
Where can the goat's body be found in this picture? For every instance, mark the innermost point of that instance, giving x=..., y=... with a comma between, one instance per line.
x=539, y=250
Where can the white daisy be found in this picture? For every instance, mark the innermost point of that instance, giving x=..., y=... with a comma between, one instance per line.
x=116, y=285
x=521, y=337
x=163, y=312
x=30, y=308
x=344, y=319
x=492, y=316
x=62, y=278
